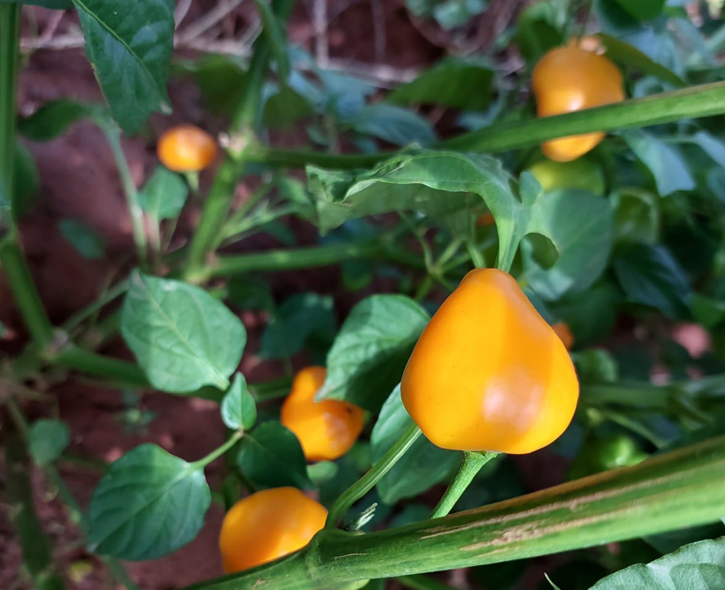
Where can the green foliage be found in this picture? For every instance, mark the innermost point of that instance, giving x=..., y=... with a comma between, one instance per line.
x=663, y=161
x=47, y=441
x=26, y=182
x=271, y=457
x=699, y=566
x=422, y=467
x=392, y=124
x=238, y=409
x=302, y=318
x=83, y=238
x=130, y=52
x=164, y=195
x=54, y=118
x=651, y=276
x=454, y=82
x=147, y=505
x=182, y=337
x=642, y=9
x=56, y=4
x=636, y=216
x=370, y=352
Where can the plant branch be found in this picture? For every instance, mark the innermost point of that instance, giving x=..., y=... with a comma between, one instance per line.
x=679, y=489
x=367, y=482
x=471, y=464
x=214, y=455
x=696, y=101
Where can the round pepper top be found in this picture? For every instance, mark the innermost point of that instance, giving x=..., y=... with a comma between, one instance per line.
x=186, y=149
x=326, y=429
x=488, y=373
x=268, y=525
x=569, y=79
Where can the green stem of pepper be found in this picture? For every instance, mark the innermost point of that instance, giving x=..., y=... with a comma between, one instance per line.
x=471, y=464
x=367, y=482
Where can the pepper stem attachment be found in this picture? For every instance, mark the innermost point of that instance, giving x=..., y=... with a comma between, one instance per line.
x=472, y=463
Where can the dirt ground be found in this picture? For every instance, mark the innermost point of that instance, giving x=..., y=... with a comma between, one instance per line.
x=79, y=181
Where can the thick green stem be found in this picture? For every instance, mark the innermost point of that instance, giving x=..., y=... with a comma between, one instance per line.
x=216, y=208
x=471, y=464
x=680, y=489
x=90, y=363
x=12, y=258
x=113, y=136
x=697, y=101
x=367, y=482
x=105, y=298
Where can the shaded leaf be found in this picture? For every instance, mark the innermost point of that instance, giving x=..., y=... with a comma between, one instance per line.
x=47, y=441
x=130, y=51
x=148, y=504
x=453, y=82
x=642, y=9
x=370, y=352
x=664, y=162
x=650, y=275
x=636, y=216
x=182, y=337
x=271, y=457
x=627, y=55
x=83, y=238
x=26, y=182
x=392, y=124
x=54, y=118
x=423, y=465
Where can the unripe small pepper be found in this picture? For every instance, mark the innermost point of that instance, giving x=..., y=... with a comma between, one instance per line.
x=488, y=373
x=268, y=525
x=564, y=333
x=326, y=429
x=569, y=79
x=186, y=149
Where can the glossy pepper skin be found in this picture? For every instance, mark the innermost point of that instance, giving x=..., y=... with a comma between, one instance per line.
x=488, y=373
x=268, y=525
x=186, y=149
x=570, y=79
x=326, y=429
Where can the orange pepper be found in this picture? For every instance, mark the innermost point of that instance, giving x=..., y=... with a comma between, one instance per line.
x=488, y=373
x=326, y=429
x=186, y=149
x=569, y=79
x=268, y=525
x=564, y=333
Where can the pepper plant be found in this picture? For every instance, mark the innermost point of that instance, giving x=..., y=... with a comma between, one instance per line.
x=412, y=395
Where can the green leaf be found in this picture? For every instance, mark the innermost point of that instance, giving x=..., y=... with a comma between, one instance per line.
x=422, y=467
x=707, y=311
x=591, y=314
x=284, y=106
x=130, y=51
x=238, y=408
x=26, y=182
x=698, y=566
x=579, y=224
x=435, y=184
x=222, y=80
x=450, y=14
x=650, y=275
x=642, y=9
x=182, y=337
x=54, y=118
x=272, y=457
x=275, y=36
x=393, y=124
x=538, y=30
x=370, y=352
x=627, y=55
x=636, y=216
x=663, y=160
x=83, y=238
x=712, y=146
x=322, y=472
x=148, y=504
x=301, y=317
x=164, y=195
x=453, y=82
x=48, y=440
x=56, y=4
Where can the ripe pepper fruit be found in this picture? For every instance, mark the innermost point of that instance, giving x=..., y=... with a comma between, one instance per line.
x=327, y=429
x=268, y=525
x=570, y=79
x=488, y=373
x=186, y=149
x=563, y=331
